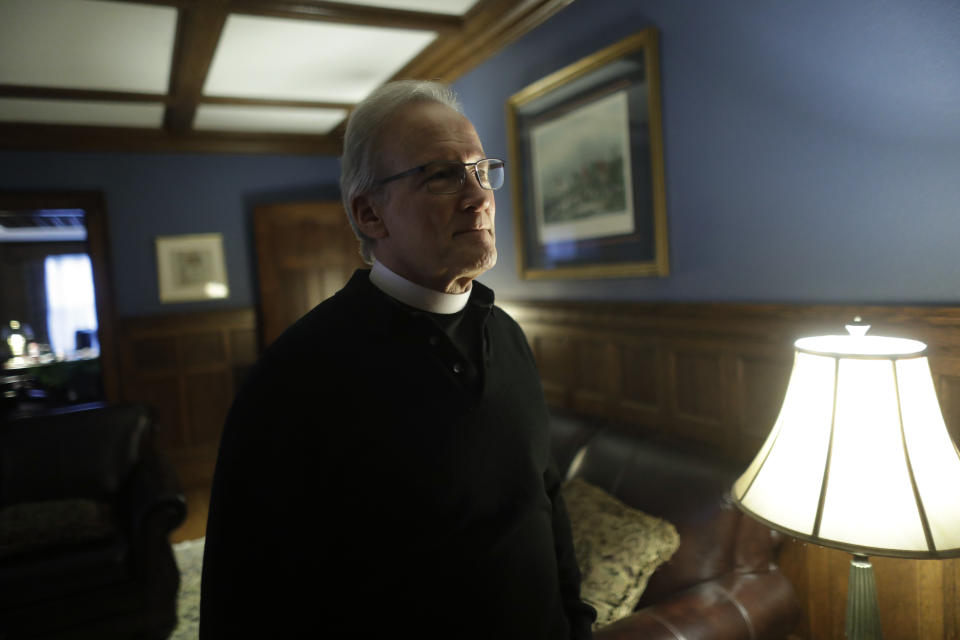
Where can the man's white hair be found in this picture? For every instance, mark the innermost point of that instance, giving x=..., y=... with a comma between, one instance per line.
x=362, y=140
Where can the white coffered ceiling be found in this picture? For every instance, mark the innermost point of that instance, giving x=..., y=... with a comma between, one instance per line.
x=243, y=75
x=81, y=112
x=86, y=44
x=299, y=60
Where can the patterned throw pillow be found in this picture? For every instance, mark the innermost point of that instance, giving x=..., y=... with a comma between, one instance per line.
x=618, y=548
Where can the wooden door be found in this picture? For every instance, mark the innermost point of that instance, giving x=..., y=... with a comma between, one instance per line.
x=306, y=252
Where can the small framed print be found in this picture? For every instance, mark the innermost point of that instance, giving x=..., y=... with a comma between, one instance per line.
x=191, y=267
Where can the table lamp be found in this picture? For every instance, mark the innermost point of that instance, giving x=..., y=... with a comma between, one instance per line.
x=859, y=459
x=16, y=337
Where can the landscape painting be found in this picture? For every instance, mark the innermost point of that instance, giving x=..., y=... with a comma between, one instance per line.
x=581, y=172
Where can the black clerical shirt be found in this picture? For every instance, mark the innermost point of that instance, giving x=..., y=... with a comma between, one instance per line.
x=375, y=478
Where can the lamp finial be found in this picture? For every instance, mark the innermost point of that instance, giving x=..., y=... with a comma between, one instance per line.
x=858, y=328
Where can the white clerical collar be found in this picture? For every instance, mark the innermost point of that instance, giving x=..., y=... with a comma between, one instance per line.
x=415, y=295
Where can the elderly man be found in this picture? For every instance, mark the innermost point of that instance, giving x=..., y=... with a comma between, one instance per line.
x=386, y=469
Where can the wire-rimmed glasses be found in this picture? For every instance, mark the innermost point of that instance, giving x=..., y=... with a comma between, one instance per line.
x=448, y=177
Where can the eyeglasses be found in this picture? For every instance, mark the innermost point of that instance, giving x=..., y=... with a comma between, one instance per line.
x=448, y=177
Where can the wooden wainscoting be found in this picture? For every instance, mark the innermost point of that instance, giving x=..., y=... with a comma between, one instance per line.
x=188, y=367
x=716, y=374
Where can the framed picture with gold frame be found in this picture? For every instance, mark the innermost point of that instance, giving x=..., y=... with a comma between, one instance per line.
x=586, y=151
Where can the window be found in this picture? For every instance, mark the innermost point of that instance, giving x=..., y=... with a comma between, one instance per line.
x=71, y=302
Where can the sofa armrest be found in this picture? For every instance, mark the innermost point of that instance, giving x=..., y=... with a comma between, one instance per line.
x=747, y=606
x=152, y=498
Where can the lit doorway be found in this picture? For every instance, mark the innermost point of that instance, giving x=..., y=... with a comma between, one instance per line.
x=56, y=314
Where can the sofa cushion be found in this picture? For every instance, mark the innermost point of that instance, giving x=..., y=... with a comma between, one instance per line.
x=618, y=548
x=32, y=526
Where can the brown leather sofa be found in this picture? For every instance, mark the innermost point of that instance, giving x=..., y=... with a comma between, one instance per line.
x=86, y=507
x=722, y=582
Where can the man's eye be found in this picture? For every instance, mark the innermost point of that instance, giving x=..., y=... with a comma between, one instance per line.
x=443, y=173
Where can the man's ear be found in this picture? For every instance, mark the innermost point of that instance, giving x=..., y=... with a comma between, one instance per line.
x=366, y=213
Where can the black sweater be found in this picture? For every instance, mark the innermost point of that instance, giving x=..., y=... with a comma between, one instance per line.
x=373, y=481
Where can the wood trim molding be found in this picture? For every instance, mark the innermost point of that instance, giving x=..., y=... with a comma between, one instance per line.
x=179, y=4
x=265, y=102
x=59, y=93
x=70, y=138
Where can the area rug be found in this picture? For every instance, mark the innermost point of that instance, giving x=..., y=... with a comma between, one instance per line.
x=189, y=555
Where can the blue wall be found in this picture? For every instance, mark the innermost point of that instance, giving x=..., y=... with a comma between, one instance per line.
x=167, y=194
x=812, y=148
x=812, y=155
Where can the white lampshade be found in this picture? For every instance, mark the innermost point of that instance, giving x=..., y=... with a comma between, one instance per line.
x=859, y=457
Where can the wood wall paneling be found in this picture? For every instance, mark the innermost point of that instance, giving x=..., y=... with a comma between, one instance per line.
x=698, y=404
x=951, y=594
x=155, y=354
x=203, y=349
x=243, y=344
x=641, y=384
x=209, y=395
x=948, y=389
x=188, y=367
x=597, y=365
x=554, y=355
x=715, y=374
x=761, y=383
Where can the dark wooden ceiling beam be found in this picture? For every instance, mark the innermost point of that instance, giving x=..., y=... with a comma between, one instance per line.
x=178, y=4
x=95, y=95
x=198, y=31
x=59, y=93
x=350, y=14
x=270, y=102
x=82, y=138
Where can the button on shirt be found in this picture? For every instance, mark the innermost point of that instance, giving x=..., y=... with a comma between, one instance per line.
x=457, y=335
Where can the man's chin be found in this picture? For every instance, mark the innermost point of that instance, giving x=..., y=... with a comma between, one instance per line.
x=489, y=260
x=479, y=263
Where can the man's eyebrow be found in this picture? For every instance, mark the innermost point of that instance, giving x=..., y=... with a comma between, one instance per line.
x=474, y=158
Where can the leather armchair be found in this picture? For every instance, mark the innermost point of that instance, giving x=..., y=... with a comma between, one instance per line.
x=86, y=507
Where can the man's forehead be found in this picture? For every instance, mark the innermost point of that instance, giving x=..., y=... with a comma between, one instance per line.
x=426, y=125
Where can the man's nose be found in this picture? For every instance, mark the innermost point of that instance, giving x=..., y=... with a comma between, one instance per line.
x=474, y=195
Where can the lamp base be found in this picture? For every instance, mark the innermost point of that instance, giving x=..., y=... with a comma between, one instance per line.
x=863, y=612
